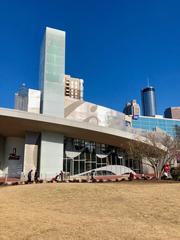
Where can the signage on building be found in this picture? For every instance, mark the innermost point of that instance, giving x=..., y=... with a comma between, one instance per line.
x=136, y=111
x=135, y=117
x=13, y=155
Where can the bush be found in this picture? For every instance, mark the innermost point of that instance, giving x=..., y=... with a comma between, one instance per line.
x=175, y=173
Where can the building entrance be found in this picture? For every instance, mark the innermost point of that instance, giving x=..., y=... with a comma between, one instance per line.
x=82, y=156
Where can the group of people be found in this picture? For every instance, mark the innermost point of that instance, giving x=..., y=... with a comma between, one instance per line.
x=59, y=177
x=36, y=179
x=30, y=176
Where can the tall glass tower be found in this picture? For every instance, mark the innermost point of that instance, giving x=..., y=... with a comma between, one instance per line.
x=148, y=101
x=52, y=71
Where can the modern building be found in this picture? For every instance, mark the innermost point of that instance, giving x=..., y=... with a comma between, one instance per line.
x=28, y=99
x=133, y=109
x=21, y=98
x=170, y=126
x=69, y=133
x=127, y=109
x=172, y=112
x=148, y=101
x=93, y=136
x=73, y=87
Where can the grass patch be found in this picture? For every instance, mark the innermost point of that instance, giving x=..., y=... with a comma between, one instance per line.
x=128, y=210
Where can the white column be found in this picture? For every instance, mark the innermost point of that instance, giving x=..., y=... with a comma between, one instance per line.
x=51, y=157
x=52, y=73
x=30, y=152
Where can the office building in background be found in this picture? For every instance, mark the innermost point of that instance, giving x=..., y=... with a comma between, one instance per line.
x=73, y=87
x=172, y=112
x=148, y=101
x=127, y=109
x=21, y=98
x=27, y=99
x=133, y=109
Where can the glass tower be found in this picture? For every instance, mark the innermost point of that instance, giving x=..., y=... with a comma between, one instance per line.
x=52, y=71
x=148, y=101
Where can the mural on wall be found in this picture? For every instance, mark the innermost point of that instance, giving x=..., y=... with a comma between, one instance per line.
x=97, y=115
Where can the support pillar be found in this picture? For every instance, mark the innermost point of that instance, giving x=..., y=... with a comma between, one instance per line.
x=51, y=157
x=30, y=152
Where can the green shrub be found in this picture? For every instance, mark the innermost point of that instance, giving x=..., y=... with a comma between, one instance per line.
x=175, y=173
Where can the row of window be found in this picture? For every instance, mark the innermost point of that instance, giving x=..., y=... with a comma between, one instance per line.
x=93, y=155
x=170, y=126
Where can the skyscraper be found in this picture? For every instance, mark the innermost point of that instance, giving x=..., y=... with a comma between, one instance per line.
x=21, y=98
x=148, y=101
x=172, y=112
x=73, y=87
x=132, y=108
x=27, y=99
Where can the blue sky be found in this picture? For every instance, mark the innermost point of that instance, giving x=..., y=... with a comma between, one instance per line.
x=114, y=45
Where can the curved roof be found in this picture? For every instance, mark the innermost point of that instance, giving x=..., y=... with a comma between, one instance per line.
x=17, y=123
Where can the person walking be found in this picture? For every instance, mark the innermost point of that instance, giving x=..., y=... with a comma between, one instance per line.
x=30, y=176
x=62, y=176
x=36, y=177
x=92, y=176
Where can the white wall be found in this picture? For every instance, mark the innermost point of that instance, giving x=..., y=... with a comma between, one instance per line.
x=34, y=101
x=30, y=152
x=51, y=157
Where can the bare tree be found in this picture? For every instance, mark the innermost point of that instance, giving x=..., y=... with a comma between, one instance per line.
x=157, y=150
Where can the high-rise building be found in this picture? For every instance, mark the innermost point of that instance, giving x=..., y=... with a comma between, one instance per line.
x=73, y=87
x=27, y=99
x=127, y=109
x=21, y=98
x=135, y=109
x=148, y=101
x=132, y=108
x=172, y=112
x=52, y=72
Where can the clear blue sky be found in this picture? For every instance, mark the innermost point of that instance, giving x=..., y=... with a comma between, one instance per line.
x=114, y=45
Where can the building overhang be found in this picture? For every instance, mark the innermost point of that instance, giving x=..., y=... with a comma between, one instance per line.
x=14, y=123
